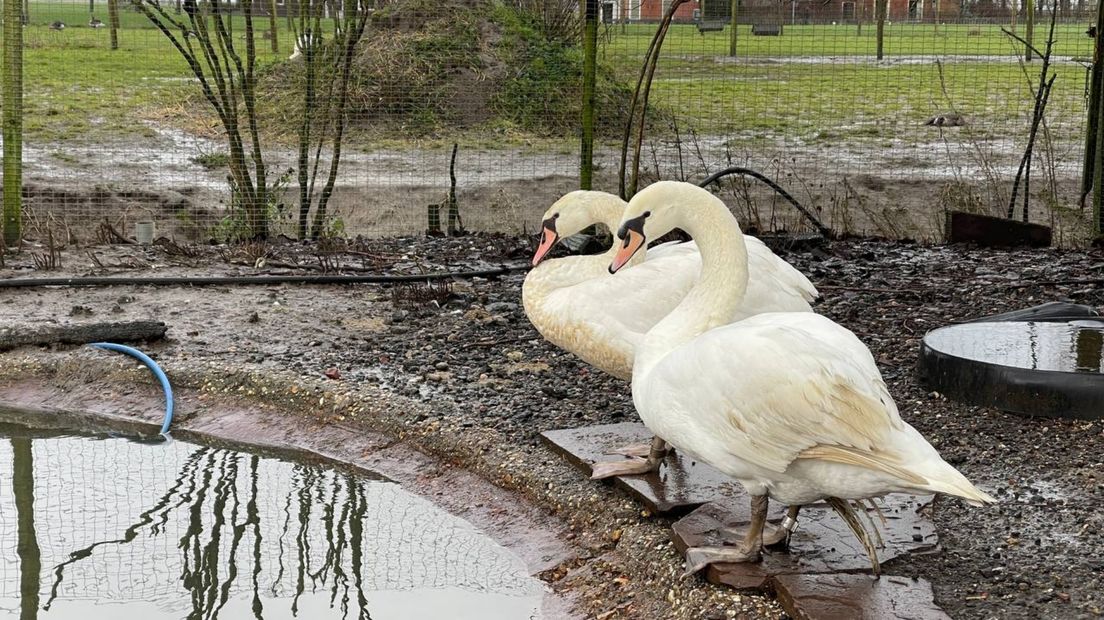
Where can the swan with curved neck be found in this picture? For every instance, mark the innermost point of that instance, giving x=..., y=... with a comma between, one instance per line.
x=791, y=405
x=569, y=300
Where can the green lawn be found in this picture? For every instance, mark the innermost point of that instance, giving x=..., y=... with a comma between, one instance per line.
x=79, y=89
x=843, y=40
x=859, y=100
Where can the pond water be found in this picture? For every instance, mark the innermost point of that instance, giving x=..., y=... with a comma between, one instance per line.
x=1075, y=346
x=96, y=527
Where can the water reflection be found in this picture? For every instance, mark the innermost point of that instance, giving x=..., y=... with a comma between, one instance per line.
x=182, y=531
x=1068, y=347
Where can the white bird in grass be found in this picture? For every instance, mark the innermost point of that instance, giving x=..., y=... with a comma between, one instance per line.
x=572, y=300
x=789, y=404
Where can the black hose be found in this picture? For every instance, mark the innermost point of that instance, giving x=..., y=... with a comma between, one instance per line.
x=261, y=280
x=824, y=230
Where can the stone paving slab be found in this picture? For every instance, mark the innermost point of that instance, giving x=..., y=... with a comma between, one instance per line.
x=841, y=596
x=821, y=544
x=681, y=484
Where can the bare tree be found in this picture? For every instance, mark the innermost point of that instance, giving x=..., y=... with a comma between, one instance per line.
x=229, y=85
x=329, y=67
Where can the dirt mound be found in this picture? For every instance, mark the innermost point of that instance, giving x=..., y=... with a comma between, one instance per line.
x=426, y=66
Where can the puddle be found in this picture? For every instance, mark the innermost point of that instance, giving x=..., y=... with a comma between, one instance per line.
x=1076, y=346
x=99, y=527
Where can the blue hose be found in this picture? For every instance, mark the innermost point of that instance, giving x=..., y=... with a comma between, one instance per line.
x=157, y=372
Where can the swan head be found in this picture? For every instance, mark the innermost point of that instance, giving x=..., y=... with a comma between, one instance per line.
x=653, y=212
x=574, y=212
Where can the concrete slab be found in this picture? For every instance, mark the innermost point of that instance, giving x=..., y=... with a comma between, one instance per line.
x=842, y=596
x=822, y=542
x=681, y=484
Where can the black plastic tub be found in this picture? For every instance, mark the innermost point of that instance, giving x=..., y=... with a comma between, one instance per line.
x=1044, y=361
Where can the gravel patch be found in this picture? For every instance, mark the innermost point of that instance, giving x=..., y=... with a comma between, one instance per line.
x=470, y=366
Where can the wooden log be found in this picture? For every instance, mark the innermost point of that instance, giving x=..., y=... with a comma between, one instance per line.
x=83, y=333
x=989, y=231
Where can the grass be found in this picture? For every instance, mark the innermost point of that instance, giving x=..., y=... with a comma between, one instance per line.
x=843, y=40
x=77, y=89
x=843, y=100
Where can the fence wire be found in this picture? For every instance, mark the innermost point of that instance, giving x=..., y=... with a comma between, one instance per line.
x=875, y=146
x=194, y=531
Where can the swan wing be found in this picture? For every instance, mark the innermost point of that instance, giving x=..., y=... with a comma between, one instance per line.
x=774, y=285
x=633, y=299
x=774, y=388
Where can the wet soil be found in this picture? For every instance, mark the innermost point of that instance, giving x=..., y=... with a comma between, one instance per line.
x=458, y=371
x=894, y=186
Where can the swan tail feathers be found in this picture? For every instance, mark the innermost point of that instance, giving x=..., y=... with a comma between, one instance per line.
x=951, y=482
x=933, y=475
x=850, y=456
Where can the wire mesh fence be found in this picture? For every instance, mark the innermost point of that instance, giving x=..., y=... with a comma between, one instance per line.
x=797, y=91
x=194, y=531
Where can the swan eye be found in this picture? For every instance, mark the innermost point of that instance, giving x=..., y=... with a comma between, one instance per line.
x=555, y=216
x=647, y=213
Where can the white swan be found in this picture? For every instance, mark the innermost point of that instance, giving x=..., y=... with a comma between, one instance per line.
x=790, y=404
x=571, y=300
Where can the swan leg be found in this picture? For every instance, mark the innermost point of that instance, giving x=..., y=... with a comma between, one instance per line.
x=747, y=550
x=772, y=534
x=843, y=508
x=640, y=450
x=634, y=466
x=645, y=450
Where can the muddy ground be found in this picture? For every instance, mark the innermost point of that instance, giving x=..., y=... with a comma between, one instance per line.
x=464, y=376
x=895, y=187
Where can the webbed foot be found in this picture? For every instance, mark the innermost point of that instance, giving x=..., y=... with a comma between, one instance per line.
x=698, y=558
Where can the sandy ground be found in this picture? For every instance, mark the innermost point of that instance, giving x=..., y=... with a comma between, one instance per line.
x=465, y=377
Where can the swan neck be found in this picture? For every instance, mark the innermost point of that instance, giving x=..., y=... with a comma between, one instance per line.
x=713, y=301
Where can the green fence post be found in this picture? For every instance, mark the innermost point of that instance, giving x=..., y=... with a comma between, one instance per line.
x=13, y=121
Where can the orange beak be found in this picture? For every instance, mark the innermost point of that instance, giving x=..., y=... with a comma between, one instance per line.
x=549, y=237
x=633, y=241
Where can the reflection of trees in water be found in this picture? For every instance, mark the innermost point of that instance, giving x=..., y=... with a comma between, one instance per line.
x=30, y=557
x=234, y=531
x=207, y=488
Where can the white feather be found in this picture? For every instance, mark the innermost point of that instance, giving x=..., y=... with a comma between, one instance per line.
x=790, y=404
x=577, y=305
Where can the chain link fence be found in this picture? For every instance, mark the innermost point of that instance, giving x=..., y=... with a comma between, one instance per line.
x=114, y=137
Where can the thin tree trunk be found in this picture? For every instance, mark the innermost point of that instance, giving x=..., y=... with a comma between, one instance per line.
x=1096, y=85
x=880, y=16
x=735, y=8
x=13, y=122
x=307, y=43
x=273, y=31
x=1029, y=27
x=355, y=22
x=113, y=19
x=259, y=223
x=590, y=76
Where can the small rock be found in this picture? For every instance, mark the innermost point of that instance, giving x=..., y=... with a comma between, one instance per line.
x=501, y=306
x=254, y=318
x=81, y=311
x=333, y=373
